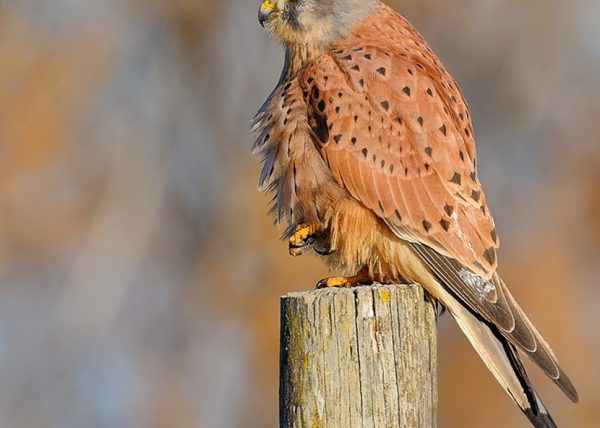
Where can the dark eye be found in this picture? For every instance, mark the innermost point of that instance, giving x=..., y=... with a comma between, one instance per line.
x=290, y=11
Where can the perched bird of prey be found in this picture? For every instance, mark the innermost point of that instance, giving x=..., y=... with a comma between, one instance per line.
x=367, y=145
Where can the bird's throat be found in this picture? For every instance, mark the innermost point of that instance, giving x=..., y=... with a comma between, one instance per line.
x=297, y=56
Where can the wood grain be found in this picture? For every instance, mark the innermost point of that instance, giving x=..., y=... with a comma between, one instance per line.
x=359, y=357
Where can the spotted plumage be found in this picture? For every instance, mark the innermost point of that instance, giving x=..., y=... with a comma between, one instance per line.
x=368, y=139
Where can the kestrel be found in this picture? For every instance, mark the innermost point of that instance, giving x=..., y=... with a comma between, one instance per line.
x=367, y=145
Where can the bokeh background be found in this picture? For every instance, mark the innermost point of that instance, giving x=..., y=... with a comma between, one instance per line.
x=139, y=270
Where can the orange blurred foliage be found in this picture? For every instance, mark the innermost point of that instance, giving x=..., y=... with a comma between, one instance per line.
x=140, y=272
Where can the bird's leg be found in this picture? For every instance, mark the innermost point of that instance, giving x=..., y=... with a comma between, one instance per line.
x=303, y=238
x=361, y=278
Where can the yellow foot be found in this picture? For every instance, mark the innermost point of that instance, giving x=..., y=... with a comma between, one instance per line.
x=302, y=238
x=345, y=281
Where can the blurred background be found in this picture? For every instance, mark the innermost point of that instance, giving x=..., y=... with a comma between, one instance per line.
x=139, y=270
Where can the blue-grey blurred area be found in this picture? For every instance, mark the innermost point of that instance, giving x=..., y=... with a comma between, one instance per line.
x=139, y=269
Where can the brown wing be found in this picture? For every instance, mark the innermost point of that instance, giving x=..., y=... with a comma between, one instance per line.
x=396, y=140
x=396, y=133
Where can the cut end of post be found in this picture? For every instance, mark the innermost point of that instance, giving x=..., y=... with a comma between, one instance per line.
x=358, y=357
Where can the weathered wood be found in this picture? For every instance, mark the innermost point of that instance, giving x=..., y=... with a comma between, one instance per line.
x=361, y=357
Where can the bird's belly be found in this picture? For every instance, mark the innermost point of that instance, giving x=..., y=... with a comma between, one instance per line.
x=359, y=238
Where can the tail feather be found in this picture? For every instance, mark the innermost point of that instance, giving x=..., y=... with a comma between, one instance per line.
x=502, y=360
x=537, y=412
x=542, y=354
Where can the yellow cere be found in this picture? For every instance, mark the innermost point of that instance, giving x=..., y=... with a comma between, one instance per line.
x=267, y=5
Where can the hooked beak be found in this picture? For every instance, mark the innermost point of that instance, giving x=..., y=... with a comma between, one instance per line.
x=266, y=10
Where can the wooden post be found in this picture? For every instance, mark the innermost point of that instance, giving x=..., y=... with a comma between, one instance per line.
x=360, y=357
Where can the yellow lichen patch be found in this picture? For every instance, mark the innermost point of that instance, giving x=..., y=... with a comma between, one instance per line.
x=300, y=328
x=317, y=422
x=344, y=326
x=385, y=296
x=305, y=360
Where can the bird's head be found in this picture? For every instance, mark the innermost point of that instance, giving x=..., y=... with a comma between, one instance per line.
x=313, y=22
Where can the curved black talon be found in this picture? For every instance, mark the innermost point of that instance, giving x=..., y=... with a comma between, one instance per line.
x=299, y=249
x=320, y=285
x=322, y=251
